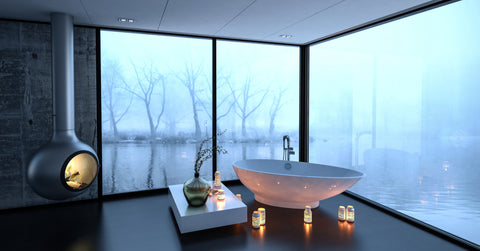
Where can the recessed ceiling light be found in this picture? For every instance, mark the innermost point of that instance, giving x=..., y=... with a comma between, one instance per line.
x=286, y=36
x=125, y=20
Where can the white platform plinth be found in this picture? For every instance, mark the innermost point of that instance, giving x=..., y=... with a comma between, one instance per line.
x=215, y=213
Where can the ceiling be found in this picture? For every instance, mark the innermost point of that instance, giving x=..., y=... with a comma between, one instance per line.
x=258, y=20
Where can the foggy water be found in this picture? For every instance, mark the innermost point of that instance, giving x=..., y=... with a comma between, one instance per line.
x=438, y=192
x=140, y=166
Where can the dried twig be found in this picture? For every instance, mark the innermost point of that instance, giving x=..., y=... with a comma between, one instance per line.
x=206, y=153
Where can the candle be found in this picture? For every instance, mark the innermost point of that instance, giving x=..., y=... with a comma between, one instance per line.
x=217, y=183
x=239, y=196
x=262, y=215
x=350, y=214
x=307, y=215
x=256, y=219
x=341, y=213
x=220, y=194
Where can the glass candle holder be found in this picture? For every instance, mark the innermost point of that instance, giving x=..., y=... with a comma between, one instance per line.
x=341, y=213
x=239, y=196
x=256, y=219
x=217, y=182
x=350, y=214
x=262, y=215
x=307, y=214
x=220, y=194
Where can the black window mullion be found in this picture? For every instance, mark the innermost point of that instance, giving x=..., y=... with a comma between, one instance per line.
x=304, y=103
x=214, y=105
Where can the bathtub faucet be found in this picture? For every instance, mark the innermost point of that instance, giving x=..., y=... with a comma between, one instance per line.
x=287, y=150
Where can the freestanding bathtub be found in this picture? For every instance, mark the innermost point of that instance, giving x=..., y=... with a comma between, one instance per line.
x=292, y=184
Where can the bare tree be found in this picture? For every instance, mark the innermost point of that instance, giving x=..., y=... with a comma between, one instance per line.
x=145, y=85
x=112, y=101
x=226, y=103
x=242, y=99
x=275, y=107
x=189, y=78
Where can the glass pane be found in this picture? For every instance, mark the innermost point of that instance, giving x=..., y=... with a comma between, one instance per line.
x=257, y=101
x=399, y=103
x=154, y=95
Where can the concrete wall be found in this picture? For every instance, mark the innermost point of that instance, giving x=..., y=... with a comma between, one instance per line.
x=26, y=103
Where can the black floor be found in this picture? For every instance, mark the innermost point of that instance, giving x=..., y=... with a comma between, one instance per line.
x=147, y=223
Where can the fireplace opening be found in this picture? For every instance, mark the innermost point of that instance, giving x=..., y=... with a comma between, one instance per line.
x=79, y=171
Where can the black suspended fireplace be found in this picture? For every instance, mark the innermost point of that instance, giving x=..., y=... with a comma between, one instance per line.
x=64, y=167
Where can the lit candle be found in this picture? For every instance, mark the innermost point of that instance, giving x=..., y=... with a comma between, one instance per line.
x=239, y=196
x=350, y=214
x=307, y=215
x=256, y=219
x=341, y=213
x=220, y=205
x=220, y=194
x=262, y=215
x=217, y=183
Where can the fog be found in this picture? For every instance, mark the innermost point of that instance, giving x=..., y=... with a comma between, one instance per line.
x=397, y=102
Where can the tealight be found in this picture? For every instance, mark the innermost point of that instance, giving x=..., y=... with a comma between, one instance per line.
x=350, y=214
x=256, y=219
x=262, y=215
x=220, y=194
x=217, y=183
x=341, y=213
x=307, y=215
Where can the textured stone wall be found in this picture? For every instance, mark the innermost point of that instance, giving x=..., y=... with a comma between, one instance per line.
x=26, y=106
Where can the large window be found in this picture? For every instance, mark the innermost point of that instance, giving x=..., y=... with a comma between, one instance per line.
x=257, y=101
x=400, y=103
x=154, y=95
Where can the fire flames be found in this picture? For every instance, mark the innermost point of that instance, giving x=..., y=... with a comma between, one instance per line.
x=80, y=171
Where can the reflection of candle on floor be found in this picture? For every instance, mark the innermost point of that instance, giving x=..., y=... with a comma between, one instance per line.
x=308, y=229
x=220, y=204
x=346, y=229
x=258, y=234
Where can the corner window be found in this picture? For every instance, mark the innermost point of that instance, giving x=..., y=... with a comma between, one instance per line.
x=399, y=103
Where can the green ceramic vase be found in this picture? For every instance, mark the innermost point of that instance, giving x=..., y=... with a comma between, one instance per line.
x=196, y=191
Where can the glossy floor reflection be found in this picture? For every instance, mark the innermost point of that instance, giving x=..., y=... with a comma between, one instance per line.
x=147, y=223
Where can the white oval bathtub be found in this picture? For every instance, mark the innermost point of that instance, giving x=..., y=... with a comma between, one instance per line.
x=292, y=184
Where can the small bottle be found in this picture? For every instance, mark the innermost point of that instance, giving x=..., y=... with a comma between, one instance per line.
x=256, y=219
x=307, y=214
x=350, y=214
x=217, y=183
x=239, y=196
x=220, y=194
x=341, y=213
x=262, y=216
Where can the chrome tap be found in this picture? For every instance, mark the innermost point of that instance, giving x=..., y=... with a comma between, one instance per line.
x=287, y=150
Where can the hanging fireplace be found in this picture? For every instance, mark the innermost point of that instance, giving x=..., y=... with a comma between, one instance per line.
x=65, y=166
